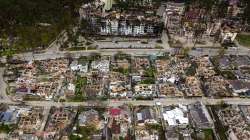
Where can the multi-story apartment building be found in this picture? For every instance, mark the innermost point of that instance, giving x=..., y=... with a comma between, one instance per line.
x=117, y=21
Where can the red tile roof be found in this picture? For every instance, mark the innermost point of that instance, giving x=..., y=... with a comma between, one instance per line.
x=115, y=111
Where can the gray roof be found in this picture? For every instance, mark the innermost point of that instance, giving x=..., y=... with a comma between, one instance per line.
x=5, y=116
x=238, y=84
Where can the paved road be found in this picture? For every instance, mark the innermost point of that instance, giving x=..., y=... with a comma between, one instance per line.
x=125, y=45
x=214, y=51
x=165, y=102
x=76, y=54
x=134, y=52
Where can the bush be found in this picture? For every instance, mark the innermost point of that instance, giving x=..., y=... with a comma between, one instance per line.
x=150, y=72
x=158, y=47
x=5, y=128
x=88, y=43
x=122, y=70
x=148, y=80
x=80, y=82
x=77, y=48
x=228, y=75
x=244, y=40
x=94, y=56
x=191, y=71
x=159, y=41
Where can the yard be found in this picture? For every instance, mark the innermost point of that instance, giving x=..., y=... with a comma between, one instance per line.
x=219, y=127
x=6, y=128
x=79, y=94
x=208, y=134
x=244, y=40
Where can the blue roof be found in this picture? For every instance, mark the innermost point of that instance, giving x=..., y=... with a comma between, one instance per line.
x=5, y=116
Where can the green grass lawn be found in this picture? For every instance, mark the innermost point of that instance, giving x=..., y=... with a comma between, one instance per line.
x=159, y=47
x=6, y=128
x=76, y=49
x=244, y=40
x=208, y=134
x=122, y=70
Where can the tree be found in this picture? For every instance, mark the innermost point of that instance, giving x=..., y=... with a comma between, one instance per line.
x=5, y=128
x=69, y=57
x=223, y=104
x=216, y=37
x=222, y=8
x=22, y=19
x=206, y=4
x=221, y=52
x=246, y=15
x=185, y=51
x=94, y=56
x=191, y=71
